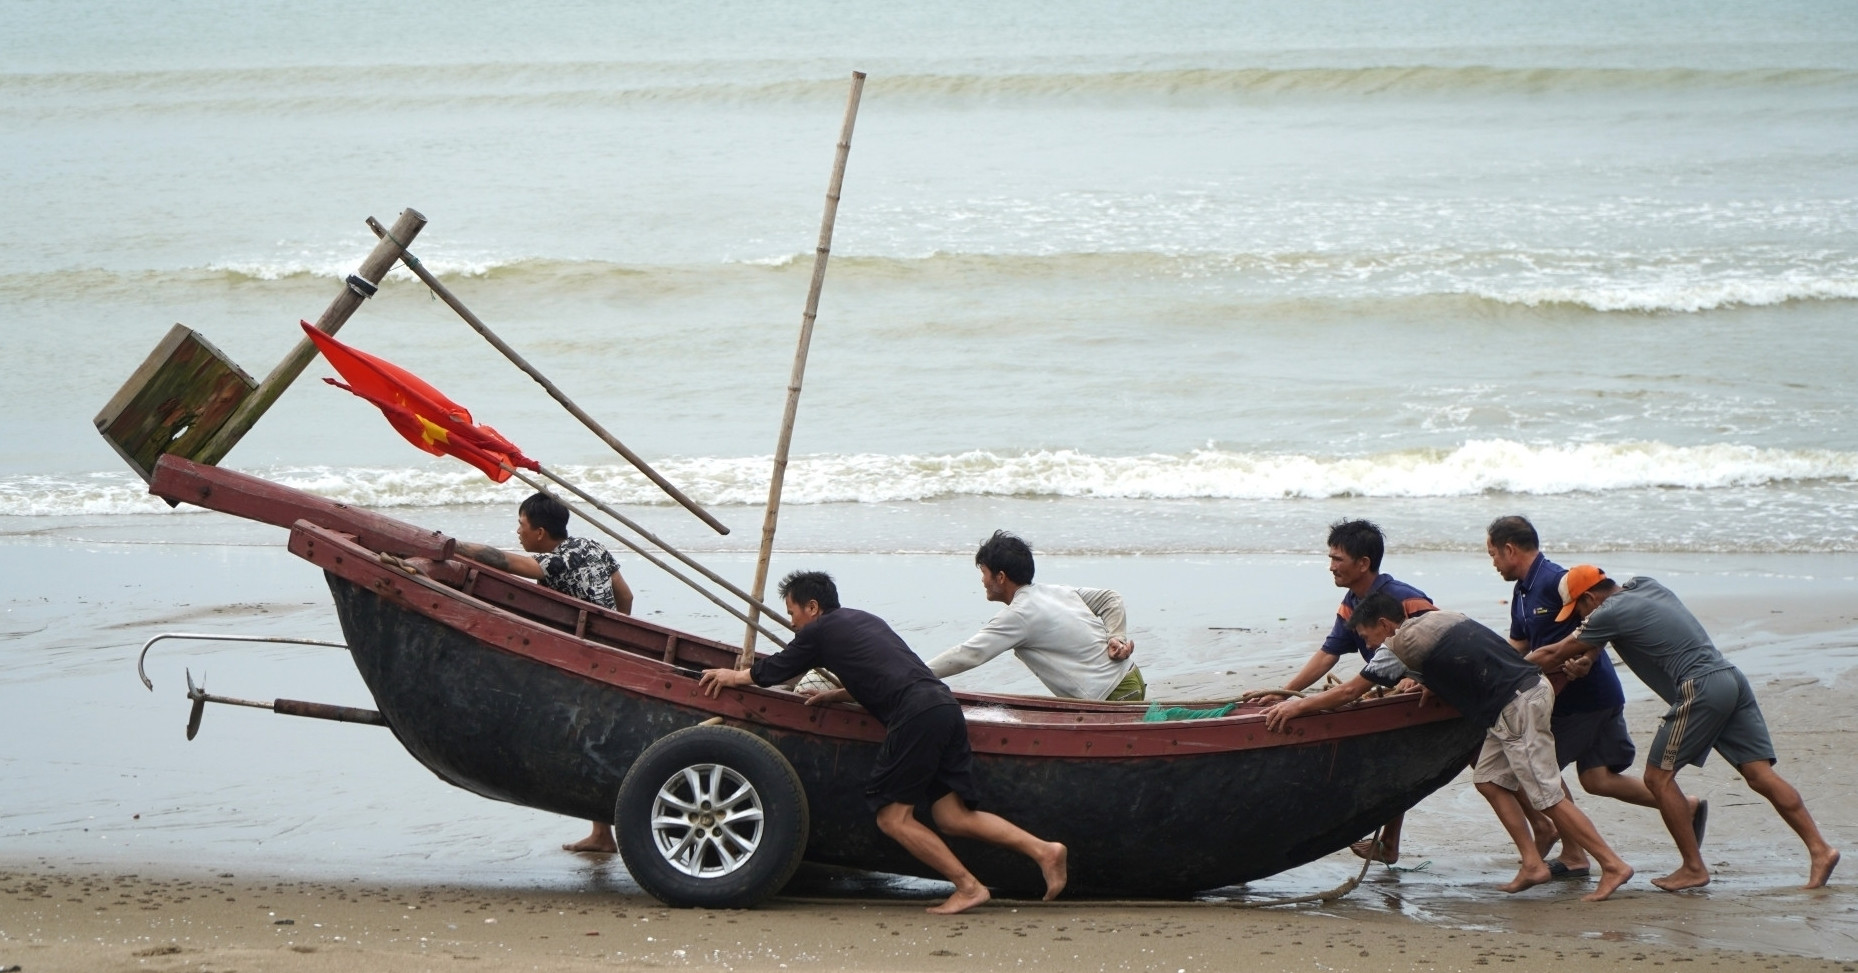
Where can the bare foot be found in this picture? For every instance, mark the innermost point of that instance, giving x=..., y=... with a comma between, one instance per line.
x=1526, y=878
x=1373, y=851
x=961, y=901
x=1822, y=869
x=1056, y=866
x=1684, y=878
x=1609, y=882
x=600, y=841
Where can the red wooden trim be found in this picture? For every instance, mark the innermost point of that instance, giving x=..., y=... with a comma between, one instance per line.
x=183, y=480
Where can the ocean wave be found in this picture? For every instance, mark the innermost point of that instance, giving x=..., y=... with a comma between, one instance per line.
x=1477, y=467
x=1663, y=282
x=571, y=84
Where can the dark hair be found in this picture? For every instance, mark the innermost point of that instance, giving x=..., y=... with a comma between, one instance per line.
x=1515, y=531
x=1005, y=552
x=1603, y=586
x=547, y=513
x=1359, y=538
x=1376, y=608
x=804, y=586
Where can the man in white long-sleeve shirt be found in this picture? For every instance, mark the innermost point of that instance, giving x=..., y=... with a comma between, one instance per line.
x=1073, y=639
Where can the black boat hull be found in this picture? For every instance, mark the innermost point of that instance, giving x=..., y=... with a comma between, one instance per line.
x=513, y=728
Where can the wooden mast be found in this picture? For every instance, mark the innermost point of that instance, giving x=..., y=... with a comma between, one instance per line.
x=824, y=250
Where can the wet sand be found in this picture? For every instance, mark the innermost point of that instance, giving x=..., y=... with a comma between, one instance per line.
x=59, y=919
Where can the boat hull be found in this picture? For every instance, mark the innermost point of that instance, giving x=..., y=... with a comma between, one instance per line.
x=499, y=722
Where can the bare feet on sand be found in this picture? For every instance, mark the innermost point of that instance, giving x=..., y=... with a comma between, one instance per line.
x=1823, y=864
x=1609, y=882
x=599, y=841
x=1057, y=869
x=1373, y=851
x=961, y=901
x=1527, y=878
x=1684, y=878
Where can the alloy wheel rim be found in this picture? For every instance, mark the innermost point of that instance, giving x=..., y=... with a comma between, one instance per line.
x=707, y=821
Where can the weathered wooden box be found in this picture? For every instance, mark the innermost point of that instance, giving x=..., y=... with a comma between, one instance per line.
x=175, y=402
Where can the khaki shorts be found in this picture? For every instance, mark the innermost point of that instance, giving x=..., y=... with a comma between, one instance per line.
x=1519, y=751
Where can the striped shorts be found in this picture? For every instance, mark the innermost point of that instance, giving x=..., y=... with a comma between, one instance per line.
x=1717, y=712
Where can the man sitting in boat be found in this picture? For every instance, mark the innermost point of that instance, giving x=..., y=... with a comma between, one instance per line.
x=925, y=756
x=576, y=567
x=1479, y=673
x=1073, y=639
x=1355, y=551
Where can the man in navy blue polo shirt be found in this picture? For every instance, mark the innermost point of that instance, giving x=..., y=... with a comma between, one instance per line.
x=1589, y=722
x=1355, y=551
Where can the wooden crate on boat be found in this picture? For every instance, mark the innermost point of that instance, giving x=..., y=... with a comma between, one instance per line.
x=175, y=402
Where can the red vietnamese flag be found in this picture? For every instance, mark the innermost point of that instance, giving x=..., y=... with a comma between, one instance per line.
x=419, y=412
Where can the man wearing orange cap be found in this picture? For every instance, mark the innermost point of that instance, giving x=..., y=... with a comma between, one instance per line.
x=1712, y=707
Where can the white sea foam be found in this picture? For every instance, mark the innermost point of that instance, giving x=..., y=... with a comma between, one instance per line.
x=1476, y=467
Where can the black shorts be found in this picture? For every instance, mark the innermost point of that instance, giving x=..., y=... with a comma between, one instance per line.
x=923, y=758
x=1593, y=738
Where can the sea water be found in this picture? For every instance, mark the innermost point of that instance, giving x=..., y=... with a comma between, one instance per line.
x=1175, y=284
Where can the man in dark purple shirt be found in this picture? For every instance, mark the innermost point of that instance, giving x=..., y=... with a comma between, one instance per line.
x=925, y=757
x=1590, y=709
x=1355, y=551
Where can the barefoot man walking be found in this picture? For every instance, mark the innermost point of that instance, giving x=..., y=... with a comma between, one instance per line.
x=925, y=756
x=1712, y=707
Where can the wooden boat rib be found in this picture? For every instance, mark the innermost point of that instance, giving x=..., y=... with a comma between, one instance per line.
x=520, y=694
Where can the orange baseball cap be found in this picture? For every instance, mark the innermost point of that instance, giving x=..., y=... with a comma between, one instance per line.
x=1575, y=584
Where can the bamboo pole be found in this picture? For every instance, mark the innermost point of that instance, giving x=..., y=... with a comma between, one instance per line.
x=642, y=552
x=372, y=269
x=820, y=254
x=412, y=263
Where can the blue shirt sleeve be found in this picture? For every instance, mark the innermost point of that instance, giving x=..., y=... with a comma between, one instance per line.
x=1342, y=640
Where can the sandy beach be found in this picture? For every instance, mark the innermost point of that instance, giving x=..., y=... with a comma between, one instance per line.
x=76, y=919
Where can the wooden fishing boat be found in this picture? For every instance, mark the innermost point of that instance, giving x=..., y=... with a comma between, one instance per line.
x=520, y=694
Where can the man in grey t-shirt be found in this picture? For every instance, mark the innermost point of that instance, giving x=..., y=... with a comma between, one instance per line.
x=1712, y=707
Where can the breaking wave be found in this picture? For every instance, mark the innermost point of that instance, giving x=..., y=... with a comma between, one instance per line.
x=1493, y=466
x=594, y=83
x=1667, y=282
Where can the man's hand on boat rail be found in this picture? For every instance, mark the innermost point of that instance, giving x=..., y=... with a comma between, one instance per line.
x=714, y=681
x=1279, y=714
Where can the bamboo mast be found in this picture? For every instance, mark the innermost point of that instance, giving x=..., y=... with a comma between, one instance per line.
x=799, y=372
x=477, y=324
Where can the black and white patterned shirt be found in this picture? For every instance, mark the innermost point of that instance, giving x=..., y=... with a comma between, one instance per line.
x=580, y=568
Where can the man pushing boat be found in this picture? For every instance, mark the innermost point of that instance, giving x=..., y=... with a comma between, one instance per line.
x=1712, y=708
x=1073, y=639
x=1476, y=671
x=925, y=757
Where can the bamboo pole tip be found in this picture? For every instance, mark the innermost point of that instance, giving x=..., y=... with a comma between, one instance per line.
x=413, y=214
x=858, y=75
